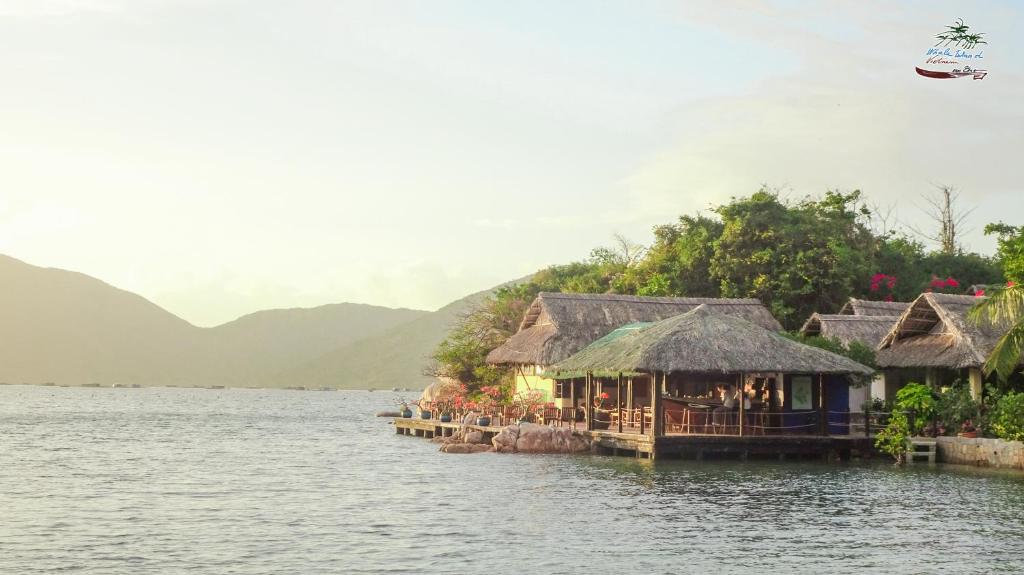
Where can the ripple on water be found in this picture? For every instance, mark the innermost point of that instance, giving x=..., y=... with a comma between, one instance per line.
x=259, y=481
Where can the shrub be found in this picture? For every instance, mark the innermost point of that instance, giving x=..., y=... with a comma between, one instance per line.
x=955, y=405
x=894, y=438
x=1007, y=418
x=917, y=397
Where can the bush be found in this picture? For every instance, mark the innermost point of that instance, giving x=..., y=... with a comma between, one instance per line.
x=894, y=438
x=917, y=397
x=955, y=405
x=1006, y=419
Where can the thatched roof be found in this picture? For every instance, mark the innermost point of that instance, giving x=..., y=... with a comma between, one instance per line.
x=866, y=329
x=558, y=325
x=702, y=341
x=868, y=307
x=935, y=332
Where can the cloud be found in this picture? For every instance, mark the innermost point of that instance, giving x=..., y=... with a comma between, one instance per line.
x=57, y=7
x=854, y=116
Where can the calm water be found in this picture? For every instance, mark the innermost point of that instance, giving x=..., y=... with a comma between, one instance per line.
x=246, y=481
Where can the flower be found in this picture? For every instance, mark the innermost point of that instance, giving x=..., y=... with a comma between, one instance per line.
x=604, y=395
x=979, y=293
x=952, y=282
x=1011, y=283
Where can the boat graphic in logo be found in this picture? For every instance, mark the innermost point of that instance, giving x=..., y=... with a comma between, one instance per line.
x=955, y=44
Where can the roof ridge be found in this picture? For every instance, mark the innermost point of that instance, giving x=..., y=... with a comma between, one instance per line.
x=651, y=299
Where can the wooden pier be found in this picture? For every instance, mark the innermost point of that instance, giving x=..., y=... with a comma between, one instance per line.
x=690, y=446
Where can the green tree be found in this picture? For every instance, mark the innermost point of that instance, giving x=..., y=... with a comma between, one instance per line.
x=679, y=261
x=795, y=258
x=1010, y=250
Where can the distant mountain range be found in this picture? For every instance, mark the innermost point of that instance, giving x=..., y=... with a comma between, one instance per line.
x=69, y=328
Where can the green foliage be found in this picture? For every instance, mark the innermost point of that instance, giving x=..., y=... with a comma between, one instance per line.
x=797, y=258
x=955, y=405
x=918, y=398
x=1003, y=308
x=856, y=351
x=462, y=355
x=894, y=438
x=1006, y=419
x=1010, y=250
x=678, y=263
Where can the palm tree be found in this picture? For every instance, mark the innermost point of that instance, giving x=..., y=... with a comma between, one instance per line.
x=1003, y=308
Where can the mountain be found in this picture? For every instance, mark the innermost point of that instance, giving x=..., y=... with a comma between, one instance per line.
x=394, y=358
x=69, y=328
x=269, y=341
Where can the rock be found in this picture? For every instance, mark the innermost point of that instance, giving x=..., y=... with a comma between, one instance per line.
x=473, y=436
x=465, y=448
x=534, y=438
x=505, y=440
x=470, y=418
x=389, y=414
x=439, y=439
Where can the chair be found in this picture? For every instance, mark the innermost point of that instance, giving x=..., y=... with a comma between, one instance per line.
x=568, y=415
x=549, y=415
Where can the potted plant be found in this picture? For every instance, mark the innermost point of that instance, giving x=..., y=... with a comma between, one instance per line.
x=403, y=408
x=446, y=399
x=490, y=397
x=424, y=407
x=968, y=429
x=528, y=403
x=601, y=417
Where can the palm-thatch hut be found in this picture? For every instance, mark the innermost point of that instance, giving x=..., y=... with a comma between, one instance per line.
x=557, y=325
x=863, y=321
x=934, y=341
x=687, y=356
x=864, y=329
x=856, y=306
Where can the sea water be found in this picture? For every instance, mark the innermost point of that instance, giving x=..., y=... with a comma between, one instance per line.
x=165, y=480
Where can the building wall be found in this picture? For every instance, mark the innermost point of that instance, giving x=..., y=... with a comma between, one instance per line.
x=529, y=382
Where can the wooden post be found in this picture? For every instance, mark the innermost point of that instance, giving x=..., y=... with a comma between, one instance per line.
x=655, y=406
x=586, y=403
x=642, y=421
x=572, y=402
x=618, y=399
x=822, y=406
x=742, y=400
x=976, y=380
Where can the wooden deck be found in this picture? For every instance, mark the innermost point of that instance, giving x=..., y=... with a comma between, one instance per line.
x=688, y=446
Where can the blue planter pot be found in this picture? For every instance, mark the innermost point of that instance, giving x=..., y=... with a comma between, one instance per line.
x=446, y=418
x=484, y=421
x=425, y=414
x=407, y=413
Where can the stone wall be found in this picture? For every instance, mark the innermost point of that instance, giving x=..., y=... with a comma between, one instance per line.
x=981, y=452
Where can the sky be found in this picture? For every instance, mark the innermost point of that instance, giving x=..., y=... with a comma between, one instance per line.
x=224, y=156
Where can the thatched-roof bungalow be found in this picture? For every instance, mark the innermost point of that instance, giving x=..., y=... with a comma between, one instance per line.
x=868, y=307
x=687, y=356
x=864, y=329
x=558, y=325
x=933, y=341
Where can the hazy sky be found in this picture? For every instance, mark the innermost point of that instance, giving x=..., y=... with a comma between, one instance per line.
x=222, y=156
